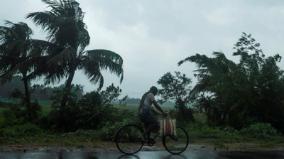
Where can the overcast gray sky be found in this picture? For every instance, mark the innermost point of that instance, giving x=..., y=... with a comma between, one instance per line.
x=153, y=35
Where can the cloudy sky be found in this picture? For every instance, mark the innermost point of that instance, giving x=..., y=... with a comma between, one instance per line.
x=153, y=35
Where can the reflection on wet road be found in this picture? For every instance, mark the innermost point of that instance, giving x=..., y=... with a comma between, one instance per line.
x=191, y=154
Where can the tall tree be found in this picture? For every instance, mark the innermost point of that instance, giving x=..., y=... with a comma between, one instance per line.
x=215, y=87
x=237, y=94
x=177, y=88
x=18, y=55
x=64, y=23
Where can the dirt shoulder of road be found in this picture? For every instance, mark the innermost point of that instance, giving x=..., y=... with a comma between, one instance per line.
x=243, y=146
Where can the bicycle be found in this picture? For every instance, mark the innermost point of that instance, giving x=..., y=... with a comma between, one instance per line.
x=130, y=139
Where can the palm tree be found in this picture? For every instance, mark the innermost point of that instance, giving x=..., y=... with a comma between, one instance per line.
x=18, y=53
x=67, y=30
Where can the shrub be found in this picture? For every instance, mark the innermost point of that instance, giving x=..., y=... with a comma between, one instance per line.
x=259, y=130
x=26, y=129
x=198, y=131
x=88, y=112
x=2, y=121
x=109, y=130
x=63, y=118
x=120, y=118
x=9, y=118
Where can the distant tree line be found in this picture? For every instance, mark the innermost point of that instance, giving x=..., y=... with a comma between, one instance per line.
x=38, y=91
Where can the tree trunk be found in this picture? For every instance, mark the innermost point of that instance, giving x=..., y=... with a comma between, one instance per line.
x=27, y=98
x=67, y=88
x=62, y=118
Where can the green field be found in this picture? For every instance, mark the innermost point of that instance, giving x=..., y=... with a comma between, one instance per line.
x=5, y=102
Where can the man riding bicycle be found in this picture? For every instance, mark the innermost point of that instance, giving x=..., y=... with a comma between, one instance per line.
x=130, y=138
x=146, y=111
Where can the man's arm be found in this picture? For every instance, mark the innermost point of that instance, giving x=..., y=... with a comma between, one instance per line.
x=157, y=107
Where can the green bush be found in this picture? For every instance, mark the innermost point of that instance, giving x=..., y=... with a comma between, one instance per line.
x=23, y=130
x=109, y=130
x=9, y=118
x=259, y=130
x=122, y=117
x=91, y=111
x=2, y=121
x=203, y=131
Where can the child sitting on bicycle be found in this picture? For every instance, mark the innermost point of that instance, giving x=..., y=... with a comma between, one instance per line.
x=146, y=112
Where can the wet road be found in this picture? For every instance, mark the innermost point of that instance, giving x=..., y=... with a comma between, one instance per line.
x=191, y=154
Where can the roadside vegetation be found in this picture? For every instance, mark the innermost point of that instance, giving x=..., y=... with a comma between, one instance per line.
x=232, y=102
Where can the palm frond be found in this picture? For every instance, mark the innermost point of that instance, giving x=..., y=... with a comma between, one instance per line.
x=18, y=51
x=52, y=72
x=67, y=55
x=51, y=2
x=39, y=47
x=106, y=60
x=83, y=38
x=47, y=20
x=92, y=70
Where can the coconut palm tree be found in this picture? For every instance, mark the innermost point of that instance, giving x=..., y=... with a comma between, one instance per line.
x=67, y=30
x=18, y=55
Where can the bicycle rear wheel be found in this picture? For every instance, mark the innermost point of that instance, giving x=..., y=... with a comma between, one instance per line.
x=178, y=143
x=129, y=139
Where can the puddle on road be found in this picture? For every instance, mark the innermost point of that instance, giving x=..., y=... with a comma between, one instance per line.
x=106, y=155
x=193, y=154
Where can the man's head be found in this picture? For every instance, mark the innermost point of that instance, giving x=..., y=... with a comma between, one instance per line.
x=154, y=90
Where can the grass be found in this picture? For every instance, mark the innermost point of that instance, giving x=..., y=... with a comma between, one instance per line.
x=45, y=110
x=44, y=102
x=228, y=138
x=53, y=140
x=2, y=109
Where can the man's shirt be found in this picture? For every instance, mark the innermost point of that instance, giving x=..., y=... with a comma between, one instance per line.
x=147, y=103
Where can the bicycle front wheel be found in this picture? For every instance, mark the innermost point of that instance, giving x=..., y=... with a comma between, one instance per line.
x=178, y=143
x=129, y=139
